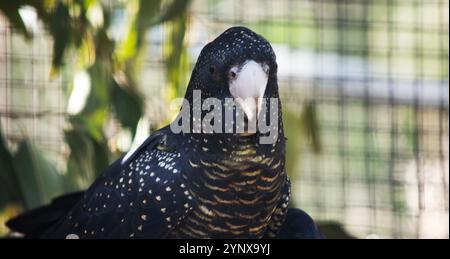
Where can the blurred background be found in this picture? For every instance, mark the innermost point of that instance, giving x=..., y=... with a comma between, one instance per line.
x=364, y=84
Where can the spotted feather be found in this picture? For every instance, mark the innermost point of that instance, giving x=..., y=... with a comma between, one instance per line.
x=143, y=197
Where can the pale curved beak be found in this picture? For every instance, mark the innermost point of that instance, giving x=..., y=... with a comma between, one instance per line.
x=248, y=87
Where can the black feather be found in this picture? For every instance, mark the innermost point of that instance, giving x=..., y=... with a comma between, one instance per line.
x=35, y=222
x=299, y=225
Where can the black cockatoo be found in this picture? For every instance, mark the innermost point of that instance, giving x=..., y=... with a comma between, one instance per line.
x=191, y=184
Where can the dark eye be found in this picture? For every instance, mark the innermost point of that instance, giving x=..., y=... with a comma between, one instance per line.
x=233, y=74
x=212, y=70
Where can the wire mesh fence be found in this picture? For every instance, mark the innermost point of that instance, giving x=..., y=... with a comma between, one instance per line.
x=375, y=73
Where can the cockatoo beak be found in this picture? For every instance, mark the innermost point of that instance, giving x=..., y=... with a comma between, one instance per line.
x=247, y=85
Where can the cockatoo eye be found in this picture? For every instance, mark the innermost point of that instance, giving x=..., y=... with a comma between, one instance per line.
x=212, y=70
x=232, y=74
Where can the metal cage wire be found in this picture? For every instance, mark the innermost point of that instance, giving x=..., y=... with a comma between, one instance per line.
x=375, y=71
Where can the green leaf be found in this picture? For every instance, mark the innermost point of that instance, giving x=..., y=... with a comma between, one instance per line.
x=88, y=157
x=128, y=47
x=177, y=60
x=127, y=104
x=38, y=179
x=141, y=20
x=410, y=132
x=95, y=113
x=10, y=10
x=176, y=9
x=101, y=76
x=80, y=165
x=301, y=129
x=311, y=126
x=102, y=157
x=60, y=29
x=148, y=10
x=9, y=185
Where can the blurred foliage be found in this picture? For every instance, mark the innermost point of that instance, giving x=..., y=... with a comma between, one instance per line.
x=177, y=58
x=85, y=29
x=9, y=191
x=302, y=130
x=81, y=29
x=410, y=132
x=309, y=124
x=38, y=179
